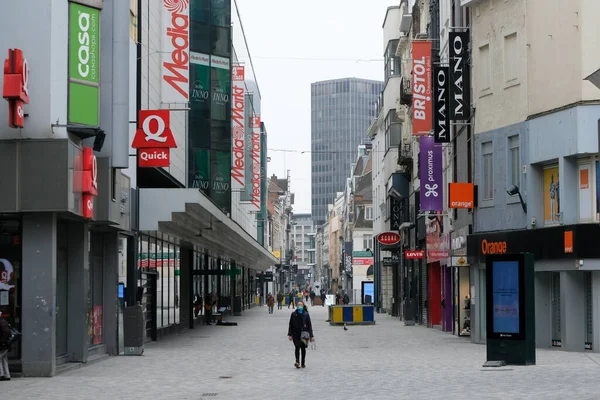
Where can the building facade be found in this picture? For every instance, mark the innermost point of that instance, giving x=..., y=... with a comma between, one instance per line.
x=543, y=149
x=341, y=112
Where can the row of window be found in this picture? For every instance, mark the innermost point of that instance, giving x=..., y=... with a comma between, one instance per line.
x=329, y=88
x=487, y=63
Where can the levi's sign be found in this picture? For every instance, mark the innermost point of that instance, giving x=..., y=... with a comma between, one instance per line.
x=16, y=90
x=388, y=238
x=175, y=51
x=414, y=254
x=154, y=138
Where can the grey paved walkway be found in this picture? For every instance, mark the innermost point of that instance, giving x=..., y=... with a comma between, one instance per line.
x=385, y=361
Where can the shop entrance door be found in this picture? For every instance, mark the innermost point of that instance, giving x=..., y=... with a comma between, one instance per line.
x=435, y=295
x=61, y=296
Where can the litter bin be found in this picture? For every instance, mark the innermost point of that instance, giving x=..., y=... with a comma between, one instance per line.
x=133, y=330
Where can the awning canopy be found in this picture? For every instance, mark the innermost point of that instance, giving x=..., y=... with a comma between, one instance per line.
x=192, y=217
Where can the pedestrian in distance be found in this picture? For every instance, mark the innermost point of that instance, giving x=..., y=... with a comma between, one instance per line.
x=270, y=303
x=208, y=308
x=291, y=299
x=301, y=333
x=4, y=349
x=279, y=300
x=346, y=299
x=323, y=298
x=312, y=297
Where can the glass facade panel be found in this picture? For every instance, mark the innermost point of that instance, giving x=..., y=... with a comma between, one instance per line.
x=199, y=37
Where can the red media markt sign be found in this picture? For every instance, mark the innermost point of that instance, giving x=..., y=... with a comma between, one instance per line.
x=15, y=89
x=388, y=238
x=414, y=254
x=154, y=138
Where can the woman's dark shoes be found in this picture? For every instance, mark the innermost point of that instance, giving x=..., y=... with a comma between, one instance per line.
x=297, y=364
x=303, y=365
x=3, y=378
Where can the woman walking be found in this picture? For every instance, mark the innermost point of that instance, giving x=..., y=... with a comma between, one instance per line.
x=270, y=303
x=300, y=332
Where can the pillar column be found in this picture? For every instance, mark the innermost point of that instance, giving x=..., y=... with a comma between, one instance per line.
x=38, y=280
x=572, y=310
x=78, y=291
x=110, y=311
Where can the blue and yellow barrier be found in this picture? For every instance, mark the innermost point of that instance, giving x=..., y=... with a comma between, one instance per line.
x=352, y=314
x=286, y=300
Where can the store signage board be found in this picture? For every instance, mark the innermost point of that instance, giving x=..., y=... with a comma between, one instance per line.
x=414, y=254
x=388, y=238
x=15, y=89
x=461, y=195
x=154, y=138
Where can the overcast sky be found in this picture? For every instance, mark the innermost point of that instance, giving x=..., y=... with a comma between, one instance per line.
x=294, y=43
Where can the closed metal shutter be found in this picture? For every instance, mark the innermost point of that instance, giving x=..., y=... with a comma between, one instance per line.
x=423, y=278
x=556, y=332
x=589, y=328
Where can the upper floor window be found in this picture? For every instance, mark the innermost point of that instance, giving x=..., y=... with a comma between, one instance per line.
x=392, y=62
x=393, y=129
x=511, y=60
x=485, y=70
x=367, y=242
x=369, y=213
x=488, y=171
x=515, y=160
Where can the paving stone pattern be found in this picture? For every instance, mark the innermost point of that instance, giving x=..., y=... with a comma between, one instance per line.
x=255, y=361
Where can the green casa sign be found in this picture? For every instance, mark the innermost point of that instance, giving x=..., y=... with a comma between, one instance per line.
x=84, y=65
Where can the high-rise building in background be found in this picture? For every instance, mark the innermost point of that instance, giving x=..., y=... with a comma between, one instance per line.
x=341, y=112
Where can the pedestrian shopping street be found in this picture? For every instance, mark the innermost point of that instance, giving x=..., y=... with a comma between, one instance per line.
x=255, y=361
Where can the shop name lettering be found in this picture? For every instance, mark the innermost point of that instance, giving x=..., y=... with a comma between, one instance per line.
x=441, y=98
x=179, y=57
x=459, y=100
x=237, y=171
x=256, y=169
x=419, y=98
x=83, y=37
x=493, y=247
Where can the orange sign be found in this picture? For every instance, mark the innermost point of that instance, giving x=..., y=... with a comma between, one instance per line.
x=422, y=90
x=493, y=247
x=461, y=195
x=568, y=241
x=584, y=179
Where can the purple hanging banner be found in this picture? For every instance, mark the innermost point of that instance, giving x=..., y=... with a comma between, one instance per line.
x=432, y=195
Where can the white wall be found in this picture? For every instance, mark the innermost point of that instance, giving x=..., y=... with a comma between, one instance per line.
x=40, y=29
x=151, y=86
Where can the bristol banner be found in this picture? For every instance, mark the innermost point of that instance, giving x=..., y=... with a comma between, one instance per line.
x=441, y=117
x=238, y=119
x=460, y=77
x=432, y=198
x=256, y=161
x=422, y=93
x=175, y=49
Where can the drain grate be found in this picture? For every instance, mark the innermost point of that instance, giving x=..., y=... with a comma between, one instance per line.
x=225, y=377
x=209, y=394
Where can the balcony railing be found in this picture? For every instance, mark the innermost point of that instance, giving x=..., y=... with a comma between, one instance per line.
x=405, y=91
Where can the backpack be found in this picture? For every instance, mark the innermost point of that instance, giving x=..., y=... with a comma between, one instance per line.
x=13, y=337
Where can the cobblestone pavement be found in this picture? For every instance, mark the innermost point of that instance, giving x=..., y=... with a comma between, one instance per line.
x=255, y=361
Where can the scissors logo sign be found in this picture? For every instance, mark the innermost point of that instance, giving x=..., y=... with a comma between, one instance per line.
x=431, y=190
x=154, y=138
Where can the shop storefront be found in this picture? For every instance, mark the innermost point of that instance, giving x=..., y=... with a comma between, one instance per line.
x=461, y=282
x=439, y=277
x=10, y=274
x=567, y=279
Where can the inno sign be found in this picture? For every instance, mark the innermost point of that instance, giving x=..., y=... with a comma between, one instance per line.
x=175, y=50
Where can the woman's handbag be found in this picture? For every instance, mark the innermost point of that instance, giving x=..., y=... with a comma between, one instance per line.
x=13, y=337
x=313, y=345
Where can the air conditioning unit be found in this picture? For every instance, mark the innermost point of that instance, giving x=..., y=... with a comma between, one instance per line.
x=421, y=36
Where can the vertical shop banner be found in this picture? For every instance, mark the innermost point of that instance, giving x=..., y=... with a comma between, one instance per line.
x=199, y=85
x=256, y=161
x=175, y=50
x=201, y=170
x=585, y=193
x=348, y=256
x=432, y=198
x=422, y=107
x=238, y=126
x=220, y=179
x=460, y=77
x=220, y=77
x=441, y=117
x=84, y=65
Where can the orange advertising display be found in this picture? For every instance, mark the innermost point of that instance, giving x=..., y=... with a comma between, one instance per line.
x=461, y=195
x=568, y=241
x=422, y=90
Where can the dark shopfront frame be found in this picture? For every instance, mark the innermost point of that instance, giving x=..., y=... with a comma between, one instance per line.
x=11, y=249
x=544, y=243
